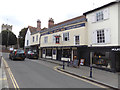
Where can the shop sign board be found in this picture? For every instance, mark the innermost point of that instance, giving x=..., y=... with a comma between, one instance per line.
x=115, y=49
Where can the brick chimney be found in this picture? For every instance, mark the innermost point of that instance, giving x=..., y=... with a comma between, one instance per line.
x=38, y=25
x=50, y=23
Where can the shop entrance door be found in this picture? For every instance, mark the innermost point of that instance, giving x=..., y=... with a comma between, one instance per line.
x=117, y=58
x=59, y=54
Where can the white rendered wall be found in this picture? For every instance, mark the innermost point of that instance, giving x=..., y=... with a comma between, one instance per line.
x=111, y=23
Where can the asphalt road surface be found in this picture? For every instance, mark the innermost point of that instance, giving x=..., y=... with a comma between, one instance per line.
x=40, y=74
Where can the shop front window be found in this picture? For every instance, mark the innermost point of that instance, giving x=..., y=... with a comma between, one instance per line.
x=101, y=59
x=54, y=52
x=43, y=51
x=66, y=53
x=48, y=52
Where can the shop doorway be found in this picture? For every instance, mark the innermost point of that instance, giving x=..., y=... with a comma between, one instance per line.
x=117, y=58
x=59, y=54
x=75, y=54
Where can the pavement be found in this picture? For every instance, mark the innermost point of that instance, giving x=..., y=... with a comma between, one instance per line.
x=99, y=76
x=3, y=77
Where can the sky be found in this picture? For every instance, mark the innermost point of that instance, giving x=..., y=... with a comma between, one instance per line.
x=24, y=13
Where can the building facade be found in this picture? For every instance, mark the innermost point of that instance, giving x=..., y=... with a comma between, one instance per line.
x=28, y=40
x=65, y=40
x=35, y=41
x=103, y=26
x=32, y=38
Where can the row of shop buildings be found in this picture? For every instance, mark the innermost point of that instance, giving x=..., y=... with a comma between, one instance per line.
x=93, y=37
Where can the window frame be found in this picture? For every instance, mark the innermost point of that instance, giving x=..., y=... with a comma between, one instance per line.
x=33, y=38
x=101, y=36
x=75, y=40
x=99, y=16
x=36, y=37
x=66, y=35
x=46, y=39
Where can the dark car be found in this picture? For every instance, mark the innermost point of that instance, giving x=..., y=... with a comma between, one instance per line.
x=31, y=55
x=17, y=54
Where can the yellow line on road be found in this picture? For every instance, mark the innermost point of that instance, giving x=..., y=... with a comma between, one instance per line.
x=55, y=68
x=11, y=75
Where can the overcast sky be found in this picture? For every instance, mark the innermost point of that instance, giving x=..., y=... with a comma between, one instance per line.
x=21, y=13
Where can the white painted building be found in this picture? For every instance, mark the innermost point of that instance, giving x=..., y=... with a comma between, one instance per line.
x=103, y=26
x=28, y=37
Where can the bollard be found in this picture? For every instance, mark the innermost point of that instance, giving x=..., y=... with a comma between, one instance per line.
x=91, y=71
x=118, y=80
x=68, y=63
x=63, y=65
x=0, y=60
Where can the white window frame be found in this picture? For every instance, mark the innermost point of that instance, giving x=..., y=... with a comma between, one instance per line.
x=27, y=42
x=66, y=35
x=99, y=16
x=75, y=40
x=46, y=39
x=36, y=37
x=102, y=15
x=33, y=38
x=101, y=36
x=106, y=39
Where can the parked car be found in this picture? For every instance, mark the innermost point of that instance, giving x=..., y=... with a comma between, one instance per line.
x=17, y=54
x=31, y=55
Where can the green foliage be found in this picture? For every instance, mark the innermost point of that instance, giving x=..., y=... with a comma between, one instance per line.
x=21, y=37
x=8, y=38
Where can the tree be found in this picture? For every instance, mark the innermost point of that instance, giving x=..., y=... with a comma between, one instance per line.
x=8, y=38
x=21, y=37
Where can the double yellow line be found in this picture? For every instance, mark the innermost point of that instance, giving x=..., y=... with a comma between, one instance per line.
x=11, y=75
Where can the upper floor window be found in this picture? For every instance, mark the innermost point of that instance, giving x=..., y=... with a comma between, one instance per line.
x=101, y=36
x=57, y=39
x=66, y=36
x=27, y=42
x=46, y=39
x=37, y=38
x=77, y=40
x=33, y=38
x=99, y=16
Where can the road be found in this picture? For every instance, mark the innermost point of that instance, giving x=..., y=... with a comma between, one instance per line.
x=40, y=74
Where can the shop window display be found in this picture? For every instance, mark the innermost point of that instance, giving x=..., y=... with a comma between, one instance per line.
x=48, y=52
x=101, y=59
x=66, y=53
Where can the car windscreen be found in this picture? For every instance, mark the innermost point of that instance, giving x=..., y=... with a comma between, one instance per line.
x=20, y=51
x=30, y=52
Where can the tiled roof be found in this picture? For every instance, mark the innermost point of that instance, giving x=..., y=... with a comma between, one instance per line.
x=67, y=22
x=32, y=29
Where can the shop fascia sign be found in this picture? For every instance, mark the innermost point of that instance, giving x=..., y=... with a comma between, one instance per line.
x=115, y=49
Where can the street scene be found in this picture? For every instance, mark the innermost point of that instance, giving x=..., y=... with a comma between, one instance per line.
x=74, y=49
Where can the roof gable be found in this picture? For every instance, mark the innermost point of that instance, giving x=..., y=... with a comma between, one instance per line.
x=111, y=3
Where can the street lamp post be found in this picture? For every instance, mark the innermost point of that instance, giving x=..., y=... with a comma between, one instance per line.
x=91, y=63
